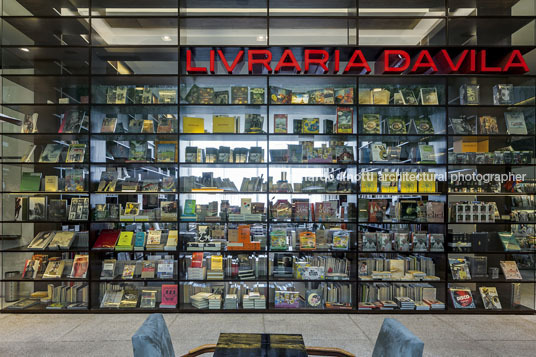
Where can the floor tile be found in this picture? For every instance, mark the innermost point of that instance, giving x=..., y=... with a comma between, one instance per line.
x=511, y=348
x=489, y=327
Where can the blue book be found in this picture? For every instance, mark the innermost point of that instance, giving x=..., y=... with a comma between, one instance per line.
x=139, y=241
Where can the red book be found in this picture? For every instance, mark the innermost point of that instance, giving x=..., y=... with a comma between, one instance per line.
x=197, y=260
x=107, y=239
x=170, y=294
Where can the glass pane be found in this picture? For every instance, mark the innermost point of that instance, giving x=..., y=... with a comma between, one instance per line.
x=32, y=31
x=134, y=8
x=132, y=61
x=312, y=31
x=492, y=8
x=218, y=31
x=312, y=8
x=413, y=8
x=402, y=31
x=45, y=8
x=134, y=31
x=45, y=89
x=493, y=32
x=41, y=60
x=223, y=8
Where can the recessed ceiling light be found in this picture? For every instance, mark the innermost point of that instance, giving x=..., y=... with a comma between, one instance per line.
x=166, y=38
x=260, y=38
x=24, y=49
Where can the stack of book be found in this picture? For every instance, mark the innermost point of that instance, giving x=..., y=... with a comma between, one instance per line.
x=246, y=274
x=405, y=303
x=254, y=300
x=230, y=302
x=388, y=305
x=196, y=273
x=419, y=306
x=367, y=306
x=214, y=302
x=214, y=274
x=200, y=300
x=435, y=304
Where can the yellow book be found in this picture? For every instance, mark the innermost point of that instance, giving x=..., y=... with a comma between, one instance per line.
x=307, y=240
x=216, y=262
x=389, y=182
x=148, y=126
x=125, y=240
x=369, y=182
x=51, y=183
x=427, y=182
x=193, y=125
x=172, y=240
x=223, y=124
x=408, y=182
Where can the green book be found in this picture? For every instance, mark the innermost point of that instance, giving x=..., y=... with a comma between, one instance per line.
x=139, y=241
x=396, y=125
x=427, y=154
x=30, y=182
x=189, y=208
x=423, y=125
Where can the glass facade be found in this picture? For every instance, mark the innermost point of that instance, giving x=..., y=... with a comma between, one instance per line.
x=175, y=155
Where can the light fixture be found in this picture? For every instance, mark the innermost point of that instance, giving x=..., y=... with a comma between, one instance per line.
x=24, y=49
x=260, y=38
x=166, y=38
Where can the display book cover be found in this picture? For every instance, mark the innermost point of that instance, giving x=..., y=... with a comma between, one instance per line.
x=169, y=296
x=107, y=239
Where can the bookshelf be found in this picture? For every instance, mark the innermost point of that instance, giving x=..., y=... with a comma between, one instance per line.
x=98, y=76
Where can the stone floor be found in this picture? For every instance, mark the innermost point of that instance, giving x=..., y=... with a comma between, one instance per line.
x=109, y=335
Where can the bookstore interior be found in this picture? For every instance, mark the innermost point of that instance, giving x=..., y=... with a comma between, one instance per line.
x=273, y=156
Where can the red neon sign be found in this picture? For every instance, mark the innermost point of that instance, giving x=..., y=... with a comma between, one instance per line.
x=390, y=61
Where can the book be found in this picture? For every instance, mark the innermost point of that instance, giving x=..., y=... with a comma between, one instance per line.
x=239, y=95
x=79, y=209
x=429, y=96
x=132, y=208
x=76, y=153
x=170, y=296
x=30, y=182
x=57, y=210
x=469, y=94
x=54, y=269
x=253, y=124
x=172, y=239
x=128, y=271
x=148, y=269
x=148, y=299
x=80, y=266
x=148, y=126
x=463, y=126
x=223, y=124
x=371, y=123
x=168, y=210
x=41, y=240
x=167, y=96
x=423, y=125
x=409, y=96
x=462, y=298
x=490, y=298
x=166, y=125
x=108, y=181
x=280, y=123
x=427, y=154
x=311, y=126
x=385, y=243
x=51, y=183
x=280, y=95
x=509, y=242
x=107, y=239
x=365, y=96
x=459, y=269
x=191, y=125
x=108, y=269
x=307, y=240
x=74, y=180
x=488, y=125
x=125, y=241
x=29, y=123
x=206, y=95
x=138, y=151
x=166, y=151
x=345, y=120
x=108, y=125
x=341, y=240
x=396, y=125
x=515, y=123
x=135, y=125
x=153, y=238
x=381, y=96
x=299, y=98
x=51, y=153
x=256, y=95
x=62, y=240
x=344, y=95
x=503, y=94
x=221, y=97
x=37, y=209
x=139, y=241
x=510, y=270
